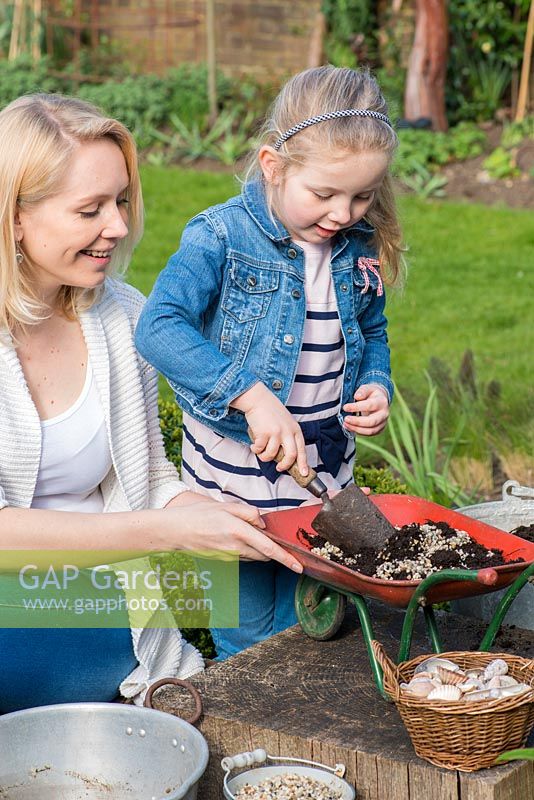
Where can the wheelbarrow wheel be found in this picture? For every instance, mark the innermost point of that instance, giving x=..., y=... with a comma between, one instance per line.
x=320, y=609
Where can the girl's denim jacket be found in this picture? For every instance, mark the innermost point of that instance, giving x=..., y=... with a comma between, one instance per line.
x=229, y=310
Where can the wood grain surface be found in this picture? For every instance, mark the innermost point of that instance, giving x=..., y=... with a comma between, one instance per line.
x=317, y=700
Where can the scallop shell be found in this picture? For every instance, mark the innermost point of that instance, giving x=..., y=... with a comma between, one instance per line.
x=449, y=693
x=431, y=665
x=450, y=678
x=419, y=687
x=496, y=667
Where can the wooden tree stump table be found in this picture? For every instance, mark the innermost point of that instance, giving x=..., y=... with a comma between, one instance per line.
x=298, y=697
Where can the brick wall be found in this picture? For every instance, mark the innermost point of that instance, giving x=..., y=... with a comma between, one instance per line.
x=263, y=37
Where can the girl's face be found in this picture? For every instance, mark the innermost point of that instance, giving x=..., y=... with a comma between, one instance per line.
x=320, y=198
x=69, y=237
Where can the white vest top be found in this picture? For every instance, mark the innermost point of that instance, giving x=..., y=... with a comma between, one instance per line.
x=75, y=455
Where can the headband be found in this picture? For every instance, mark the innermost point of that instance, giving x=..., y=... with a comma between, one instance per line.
x=348, y=112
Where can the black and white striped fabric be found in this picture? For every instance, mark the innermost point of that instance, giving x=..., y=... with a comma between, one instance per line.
x=227, y=470
x=347, y=112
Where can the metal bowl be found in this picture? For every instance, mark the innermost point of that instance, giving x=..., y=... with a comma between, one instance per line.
x=256, y=776
x=96, y=750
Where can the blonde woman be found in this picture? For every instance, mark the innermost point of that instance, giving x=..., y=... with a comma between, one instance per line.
x=79, y=430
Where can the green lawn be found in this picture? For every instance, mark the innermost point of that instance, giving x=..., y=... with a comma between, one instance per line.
x=470, y=285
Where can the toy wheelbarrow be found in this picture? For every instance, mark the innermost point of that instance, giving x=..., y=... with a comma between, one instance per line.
x=325, y=586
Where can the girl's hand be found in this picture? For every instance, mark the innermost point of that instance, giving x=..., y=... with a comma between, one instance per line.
x=273, y=427
x=223, y=527
x=370, y=410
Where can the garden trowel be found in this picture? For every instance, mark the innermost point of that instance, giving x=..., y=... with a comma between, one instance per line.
x=348, y=520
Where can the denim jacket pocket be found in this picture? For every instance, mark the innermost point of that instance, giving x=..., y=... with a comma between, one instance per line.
x=248, y=291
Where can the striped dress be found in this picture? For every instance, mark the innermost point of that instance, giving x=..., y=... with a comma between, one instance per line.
x=227, y=470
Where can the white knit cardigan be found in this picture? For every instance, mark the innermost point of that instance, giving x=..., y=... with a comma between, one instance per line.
x=141, y=477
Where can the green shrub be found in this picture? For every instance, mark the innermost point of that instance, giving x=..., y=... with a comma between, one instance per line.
x=22, y=76
x=501, y=164
x=188, y=85
x=429, y=150
x=170, y=420
x=380, y=480
x=514, y=132
x=486, y=45
x=349, y=23
x=141, y=102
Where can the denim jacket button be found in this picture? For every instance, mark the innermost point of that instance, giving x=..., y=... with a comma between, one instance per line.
x=292, y=253
x=251, y=280
x=296, y=294
x=349, y=330
x=213, y=412
x=344, y=287
x=289, y=339
x=276, y=384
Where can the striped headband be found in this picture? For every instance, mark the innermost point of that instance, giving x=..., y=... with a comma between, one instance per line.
x=348, y=112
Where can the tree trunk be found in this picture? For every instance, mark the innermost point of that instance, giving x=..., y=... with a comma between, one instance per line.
x=425, y=82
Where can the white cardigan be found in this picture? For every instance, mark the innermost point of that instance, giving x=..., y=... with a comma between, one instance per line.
x=140, y=477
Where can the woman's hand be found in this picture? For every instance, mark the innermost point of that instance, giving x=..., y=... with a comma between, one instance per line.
x=273, y=427
x=188, y=499
x=370, y=410
x=222, y=527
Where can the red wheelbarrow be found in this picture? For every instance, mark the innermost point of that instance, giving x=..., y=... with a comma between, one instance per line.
x=325, y=587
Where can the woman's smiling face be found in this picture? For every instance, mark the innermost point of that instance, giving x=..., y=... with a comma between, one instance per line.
x=69, y=237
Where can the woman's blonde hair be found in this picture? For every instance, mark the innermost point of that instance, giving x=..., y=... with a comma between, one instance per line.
x=321, y=90
x=38, y=135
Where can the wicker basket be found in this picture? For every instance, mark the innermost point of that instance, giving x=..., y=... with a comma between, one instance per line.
x=461, y=735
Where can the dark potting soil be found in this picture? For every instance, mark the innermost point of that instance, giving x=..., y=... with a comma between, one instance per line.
x=525, y=532
x=413, y=552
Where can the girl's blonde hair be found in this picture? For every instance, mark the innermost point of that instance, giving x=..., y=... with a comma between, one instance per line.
x=39, y=134
x=318, y=91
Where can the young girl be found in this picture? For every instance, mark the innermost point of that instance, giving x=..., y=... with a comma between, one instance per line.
x=270, y=317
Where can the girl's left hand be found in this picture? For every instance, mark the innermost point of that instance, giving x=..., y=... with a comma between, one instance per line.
x=370, y=411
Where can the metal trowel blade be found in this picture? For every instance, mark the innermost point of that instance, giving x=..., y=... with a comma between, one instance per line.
x=351, y=521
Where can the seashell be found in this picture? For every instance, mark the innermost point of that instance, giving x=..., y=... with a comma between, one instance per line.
x=448, y=677
x=475, y=673
x=480, y=694
x=418, y=687
x=510, y=691
x=470, y=685
x=449, y=693
x=422, y=674
x=500, y=681
x=431, y=665
x=496, y=667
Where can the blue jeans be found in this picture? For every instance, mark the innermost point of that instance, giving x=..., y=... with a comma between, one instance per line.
x=266, y=607
x=41, y=666
x=48, y=665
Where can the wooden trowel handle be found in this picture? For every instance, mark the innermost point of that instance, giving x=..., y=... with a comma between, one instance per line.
x=302, y=480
